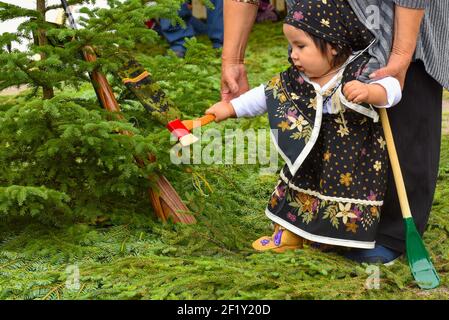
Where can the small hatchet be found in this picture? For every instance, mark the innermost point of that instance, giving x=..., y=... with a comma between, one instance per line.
x=181, y=129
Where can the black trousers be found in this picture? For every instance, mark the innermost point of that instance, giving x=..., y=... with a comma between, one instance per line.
x=416, y=125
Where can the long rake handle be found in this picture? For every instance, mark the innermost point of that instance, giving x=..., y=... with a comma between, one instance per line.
x=395, y=166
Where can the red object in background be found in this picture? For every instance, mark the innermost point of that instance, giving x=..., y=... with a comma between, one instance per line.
x=150, y=23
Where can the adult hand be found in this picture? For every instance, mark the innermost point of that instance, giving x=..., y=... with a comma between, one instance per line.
x=396, y=67
x=406, y=30
x=234, y=81
x=238, y=19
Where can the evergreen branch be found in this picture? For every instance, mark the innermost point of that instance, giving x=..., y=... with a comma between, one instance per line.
x=70, y=3
x=10, y=11
x=34, y=79
x=54, y=290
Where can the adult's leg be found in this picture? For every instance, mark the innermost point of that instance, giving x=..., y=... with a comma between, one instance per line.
x=175, y=34
x=215, y=24
x=199, y=26
x=416, y=126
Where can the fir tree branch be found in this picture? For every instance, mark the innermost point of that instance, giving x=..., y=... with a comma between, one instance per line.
x=71, y=3
x=10, y=11
x=34, y=79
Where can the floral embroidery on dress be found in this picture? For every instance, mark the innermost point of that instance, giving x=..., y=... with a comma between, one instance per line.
x=372, y=196
x=273, y=201
x=291, y=217
x=374, y=211
x=352, y=227
x=382, y=143
x=298, y=15
x=282, y=98
x=363, y=152
x=297, y=123
x=308, y=207
x=306, y=201
x=346, y=179
x=377, y=166
x=342, y=129
x=352, y=216
x=345, y=212
x=325, y=22
x=313, y=103
x=284, y=125
x=291, y=119
x=300, y=79
x=294, y=96
x=327, y=156
x=274, y=83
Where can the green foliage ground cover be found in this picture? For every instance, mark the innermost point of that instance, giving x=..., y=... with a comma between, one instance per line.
x=47, y=232
x=446, y=94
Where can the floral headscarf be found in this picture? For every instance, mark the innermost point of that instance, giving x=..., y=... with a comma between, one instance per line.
x=331, y=20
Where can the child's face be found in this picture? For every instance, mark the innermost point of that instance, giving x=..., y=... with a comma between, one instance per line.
x=306, y=56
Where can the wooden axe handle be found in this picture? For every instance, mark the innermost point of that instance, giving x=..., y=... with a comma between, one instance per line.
x=190, y=124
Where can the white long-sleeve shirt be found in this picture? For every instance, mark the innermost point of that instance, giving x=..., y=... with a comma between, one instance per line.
x=253, y=102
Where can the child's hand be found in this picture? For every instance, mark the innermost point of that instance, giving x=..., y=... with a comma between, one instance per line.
x=222, y=111
x=356, y=91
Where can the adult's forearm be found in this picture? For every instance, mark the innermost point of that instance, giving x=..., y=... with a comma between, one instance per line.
x=413, y=4
x=407, y=26
x=239, y=18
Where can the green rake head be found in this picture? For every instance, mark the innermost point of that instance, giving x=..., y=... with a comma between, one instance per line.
x=422, y=268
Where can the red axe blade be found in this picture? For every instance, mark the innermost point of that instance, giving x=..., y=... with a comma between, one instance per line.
x=181, y=129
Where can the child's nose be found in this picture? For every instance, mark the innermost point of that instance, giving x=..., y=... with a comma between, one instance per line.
x=295, y=54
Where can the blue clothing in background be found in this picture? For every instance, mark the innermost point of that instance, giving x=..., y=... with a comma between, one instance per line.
x=175, y=35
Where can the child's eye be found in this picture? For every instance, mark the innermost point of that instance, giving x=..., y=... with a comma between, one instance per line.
x=300, y=46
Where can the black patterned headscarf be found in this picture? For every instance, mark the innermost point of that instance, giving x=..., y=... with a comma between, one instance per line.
x=331, y=20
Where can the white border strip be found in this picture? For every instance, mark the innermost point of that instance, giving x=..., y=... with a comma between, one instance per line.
x=321, y=239
x=358, y=108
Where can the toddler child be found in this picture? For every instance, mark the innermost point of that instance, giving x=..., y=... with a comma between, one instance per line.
x=325, y=127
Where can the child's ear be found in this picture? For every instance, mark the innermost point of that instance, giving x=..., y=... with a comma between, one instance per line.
x=331, y=50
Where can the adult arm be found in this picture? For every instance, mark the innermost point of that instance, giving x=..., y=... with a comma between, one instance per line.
x=239, y=18
x=407, y=22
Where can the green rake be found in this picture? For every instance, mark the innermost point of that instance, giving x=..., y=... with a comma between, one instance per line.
x=418, y=258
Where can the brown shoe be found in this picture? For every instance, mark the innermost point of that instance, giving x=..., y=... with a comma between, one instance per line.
x=281, y=240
